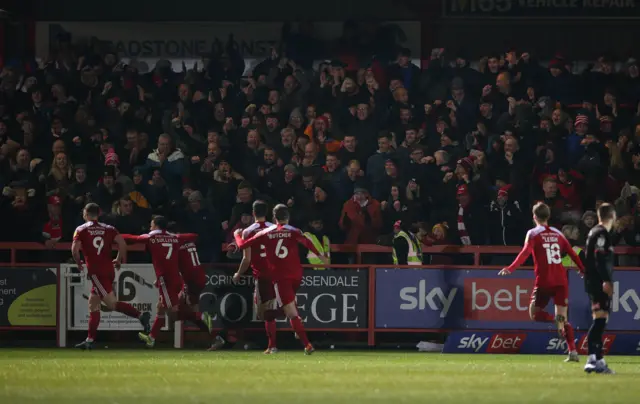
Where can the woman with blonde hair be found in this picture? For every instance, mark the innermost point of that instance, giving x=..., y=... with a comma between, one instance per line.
x=60, y=175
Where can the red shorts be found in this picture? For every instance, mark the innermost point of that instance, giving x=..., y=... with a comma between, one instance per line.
x=192, y=290
x=286, y=290
x=169, y=292
x=263, y=292
x=102, y=284
x=540, y=297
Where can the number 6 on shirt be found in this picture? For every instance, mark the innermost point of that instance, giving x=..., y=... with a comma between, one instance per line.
x=281, y=250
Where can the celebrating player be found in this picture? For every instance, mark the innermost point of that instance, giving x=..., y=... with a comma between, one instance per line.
x=164, y=247
x=598, y=280
x=264, y=295
x=548, y=245
x=280, y=244
x=194, y=283
x=95, y=240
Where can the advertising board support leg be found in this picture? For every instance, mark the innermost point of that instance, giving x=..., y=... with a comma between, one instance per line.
x=61, y=306
x=178, y=335
x=371, y=334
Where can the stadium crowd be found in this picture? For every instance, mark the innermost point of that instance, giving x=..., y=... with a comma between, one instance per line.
x=457, y=153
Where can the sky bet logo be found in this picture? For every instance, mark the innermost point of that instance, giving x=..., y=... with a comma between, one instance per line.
x=497, y=343
x=628, y=301
x=497, y=299
x=418, y=298
x=559, y=345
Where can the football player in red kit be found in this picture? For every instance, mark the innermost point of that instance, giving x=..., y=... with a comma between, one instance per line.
x=164, y=249
x=195, y=281
x=264, y=295
x=95, y=239
x=280, y=244
x=548, y=245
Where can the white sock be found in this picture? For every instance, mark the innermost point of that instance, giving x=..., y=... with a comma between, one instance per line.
x=89, y=340
x=592, y=358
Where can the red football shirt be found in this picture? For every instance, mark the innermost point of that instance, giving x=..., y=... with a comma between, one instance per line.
x=548, y=245
x=96, y=240
x=189, y=262
x=281, y=248
x=164, y=249
x=259, y=264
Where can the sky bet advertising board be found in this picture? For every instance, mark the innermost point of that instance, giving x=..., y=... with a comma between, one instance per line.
x=534, y=342
x=480, y=299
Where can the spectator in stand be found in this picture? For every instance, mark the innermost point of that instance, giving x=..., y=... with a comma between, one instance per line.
x=507, y=219
x=170, y=164
x=439, y=142
x=470, y=219
x=126, y=219
x=59, y=179
x=108, y=191
x=361, y=218
x=204, y=222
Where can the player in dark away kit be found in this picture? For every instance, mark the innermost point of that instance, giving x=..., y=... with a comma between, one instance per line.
x=598, y=282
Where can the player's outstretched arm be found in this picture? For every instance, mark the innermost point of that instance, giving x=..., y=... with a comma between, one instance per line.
x=242, y=244
x=131, y=239
x=575, y=257
x=301, y=239
x=520, y=259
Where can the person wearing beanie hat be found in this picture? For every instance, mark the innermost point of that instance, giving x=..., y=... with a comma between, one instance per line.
x=508, y=220
x=464, y=167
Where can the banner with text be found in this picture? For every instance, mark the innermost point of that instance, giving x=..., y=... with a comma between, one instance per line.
x=134, y=284
x=28, y=297
x=535, y=343
x=326, y=299
x=190, y=40
x=600, y=9
x=480, y=299
x=453, y=299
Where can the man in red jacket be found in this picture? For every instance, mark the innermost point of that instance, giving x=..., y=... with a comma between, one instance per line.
x=361, y=218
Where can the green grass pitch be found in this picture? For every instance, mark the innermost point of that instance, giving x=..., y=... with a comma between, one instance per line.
x=328, y=377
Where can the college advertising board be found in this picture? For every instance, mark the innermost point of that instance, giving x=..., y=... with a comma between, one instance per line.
x=326, y=300
x=27, y=297
x=134, y=284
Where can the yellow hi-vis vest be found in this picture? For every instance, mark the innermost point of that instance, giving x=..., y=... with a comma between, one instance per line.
x=567, y=262
x=415, y=251
x=323, y=249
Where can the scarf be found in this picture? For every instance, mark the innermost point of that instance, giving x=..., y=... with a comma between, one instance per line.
x=462, y=229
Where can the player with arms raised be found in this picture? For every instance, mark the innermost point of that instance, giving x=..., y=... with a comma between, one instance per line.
x=95, y=240
x=548, y=245
x=264, y=295
x=164, y=249
x=281, y=246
